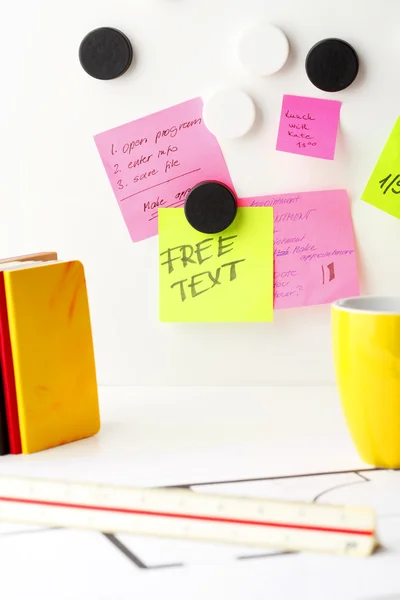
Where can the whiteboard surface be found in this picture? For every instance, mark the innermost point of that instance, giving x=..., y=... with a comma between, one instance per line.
x=55, y=194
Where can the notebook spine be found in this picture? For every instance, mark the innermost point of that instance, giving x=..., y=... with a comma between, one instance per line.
x=14, y=349
x=7, y=371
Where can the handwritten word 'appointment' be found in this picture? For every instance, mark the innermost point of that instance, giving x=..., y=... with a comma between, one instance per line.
x=187, y=255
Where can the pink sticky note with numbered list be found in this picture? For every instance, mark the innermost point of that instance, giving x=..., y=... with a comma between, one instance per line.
x=156, y=160
x=314, y=250
x=309, y=126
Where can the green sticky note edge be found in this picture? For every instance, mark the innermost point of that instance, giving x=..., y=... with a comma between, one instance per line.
x=225, y=277
x=383, y=188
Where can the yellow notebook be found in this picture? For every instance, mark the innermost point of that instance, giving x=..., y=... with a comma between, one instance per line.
x=52, y=348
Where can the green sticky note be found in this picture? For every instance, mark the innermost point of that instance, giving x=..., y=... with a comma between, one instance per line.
x=219, y=277
x=383, y=188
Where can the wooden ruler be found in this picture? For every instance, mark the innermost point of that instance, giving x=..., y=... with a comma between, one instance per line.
x=179, y=513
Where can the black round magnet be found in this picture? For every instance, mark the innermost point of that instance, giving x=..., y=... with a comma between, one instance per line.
x=210, y=207
x=105, y=53
x=332, y=65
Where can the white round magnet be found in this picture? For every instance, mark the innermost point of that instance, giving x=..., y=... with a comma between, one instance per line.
x=264, y=49
x=230, y=113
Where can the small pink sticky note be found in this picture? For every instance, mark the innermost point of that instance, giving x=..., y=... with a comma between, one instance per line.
x=156, y=160
x=309, y=126
x=314, y=251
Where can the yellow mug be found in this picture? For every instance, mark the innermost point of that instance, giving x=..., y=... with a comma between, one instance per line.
x=366, y=349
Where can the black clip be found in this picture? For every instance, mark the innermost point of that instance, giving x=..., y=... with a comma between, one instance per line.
x=210, y=207
x=105, y=53
x=332, y=65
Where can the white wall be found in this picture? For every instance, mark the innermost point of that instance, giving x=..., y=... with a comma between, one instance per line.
x=54, y=193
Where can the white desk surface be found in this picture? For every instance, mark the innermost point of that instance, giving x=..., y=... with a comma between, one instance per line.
x=169, y=436
x=288, y=443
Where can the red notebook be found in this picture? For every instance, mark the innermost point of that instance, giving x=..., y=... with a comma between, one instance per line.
x=7, y=368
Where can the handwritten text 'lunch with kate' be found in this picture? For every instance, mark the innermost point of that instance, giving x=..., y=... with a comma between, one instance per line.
x=300, y=131
x=187, y=255
x=309, y=126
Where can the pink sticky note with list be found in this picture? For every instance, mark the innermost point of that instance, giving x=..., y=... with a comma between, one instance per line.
x=314, y=250
x=309, y=126
x=156, y=160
